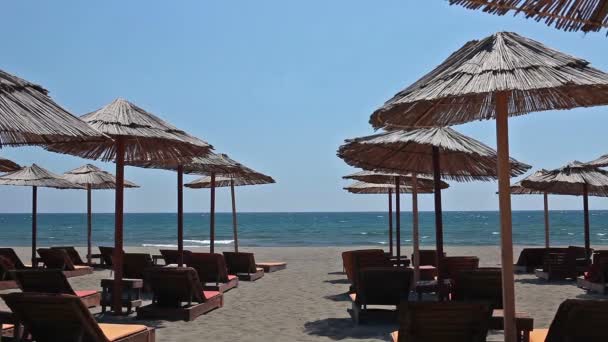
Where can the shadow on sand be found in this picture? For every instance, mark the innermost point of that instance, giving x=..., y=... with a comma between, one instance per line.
x=344, y=328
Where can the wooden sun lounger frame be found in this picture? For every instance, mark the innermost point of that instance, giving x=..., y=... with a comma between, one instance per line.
x=183, y=282
x=21, y=304
x=270, y=267
x=393, y=294
x=59, y=259
x=52, y=281
x=212, y=271
x=243, y=265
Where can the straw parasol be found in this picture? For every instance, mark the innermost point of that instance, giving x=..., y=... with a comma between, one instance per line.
x=599, y=162
x=211, y=163
x=519, y=189
x=35, y=176
x=239, y=176
x=361, y=188
x=93, y=178
x=499, y=76
x=440, y=151
x=137, y=136
x=8, y=165
x=28, y=116
x=408, y=179
x=575, y=179
x=574, y=15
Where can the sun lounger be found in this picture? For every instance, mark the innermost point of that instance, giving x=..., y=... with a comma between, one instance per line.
x=136, y=265
x=387, y=286
x=558, y=266
x=171, y=256
x=428, y=257
x=6, y=274
x=442, y=322
x=59, y=259
x=576, y=320
x=270, y=266
x=10, y=329
x=61, y=317
x=73, y=254
x=596, y=278
x=10, y=254
x=178, y=295
x=106, y=255
x=479, y=285
x=243, y=265
x=53, y=281
x=212, y=271
x=451, y=267
x=348, y=261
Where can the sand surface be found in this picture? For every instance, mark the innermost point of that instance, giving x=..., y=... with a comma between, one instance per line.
x=307, y=301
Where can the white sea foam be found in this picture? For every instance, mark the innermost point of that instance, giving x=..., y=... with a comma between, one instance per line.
x=495, y=233
x=206, y=242
x=382, y=242
x=601, y=234
x=363, y=233
x=161, y=245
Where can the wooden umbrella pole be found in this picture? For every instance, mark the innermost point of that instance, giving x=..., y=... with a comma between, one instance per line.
x=34, y=223
x=117, y=260
x=506, y=235
x=586, y=209
x=546, y=200
x=398, y=217
x=415, y=233
x=234, y=222
x=89, y=223
x=212, y=216
x=180, y=214
x=438, y=219
x=390, y=222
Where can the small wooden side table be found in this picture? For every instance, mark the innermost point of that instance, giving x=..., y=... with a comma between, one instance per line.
x=157, y=257
x=131, y=288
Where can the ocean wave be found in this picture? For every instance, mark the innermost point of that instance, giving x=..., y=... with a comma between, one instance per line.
x=495, y=233
x=363, y=233
x=382, y=242
x=601, y=234
x=206, y=242
x=162, y=245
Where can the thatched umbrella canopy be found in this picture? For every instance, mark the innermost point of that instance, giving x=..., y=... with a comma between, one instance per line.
x=93, y=178
x=361, y=188
x=28, y=116
x=575, y=15
x=519, y=189
x=575, y=179
x=210, y=163
x=389, y=178
x=422, y=181
x=137, y=136
x=241, y=175
x=35, y=176
x=440, y=151
x=8, y=165
x=499, y=76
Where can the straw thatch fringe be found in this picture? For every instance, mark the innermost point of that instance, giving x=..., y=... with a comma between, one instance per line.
x=462, y=158
x=567, y=15
x=36, y=176
x=96, y=178
x=570, y=180
x=238, y=174
x=463, y=87
x=8, y=165
x=374, y=188
x=599, y=162
x=147, y=137
x=28, y=116
x=390, y=178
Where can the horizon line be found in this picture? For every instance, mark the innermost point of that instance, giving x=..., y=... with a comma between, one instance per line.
x=289, y=212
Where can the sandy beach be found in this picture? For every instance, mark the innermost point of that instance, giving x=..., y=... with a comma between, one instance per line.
x=307, y=301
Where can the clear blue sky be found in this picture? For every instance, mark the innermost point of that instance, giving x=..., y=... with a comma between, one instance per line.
x=277, y=85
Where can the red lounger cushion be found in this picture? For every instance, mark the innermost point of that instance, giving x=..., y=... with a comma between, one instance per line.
x=85, y=293
x=211, y=294
x=231, y=276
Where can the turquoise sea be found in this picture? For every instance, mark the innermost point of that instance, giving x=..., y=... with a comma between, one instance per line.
x=301, y=229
